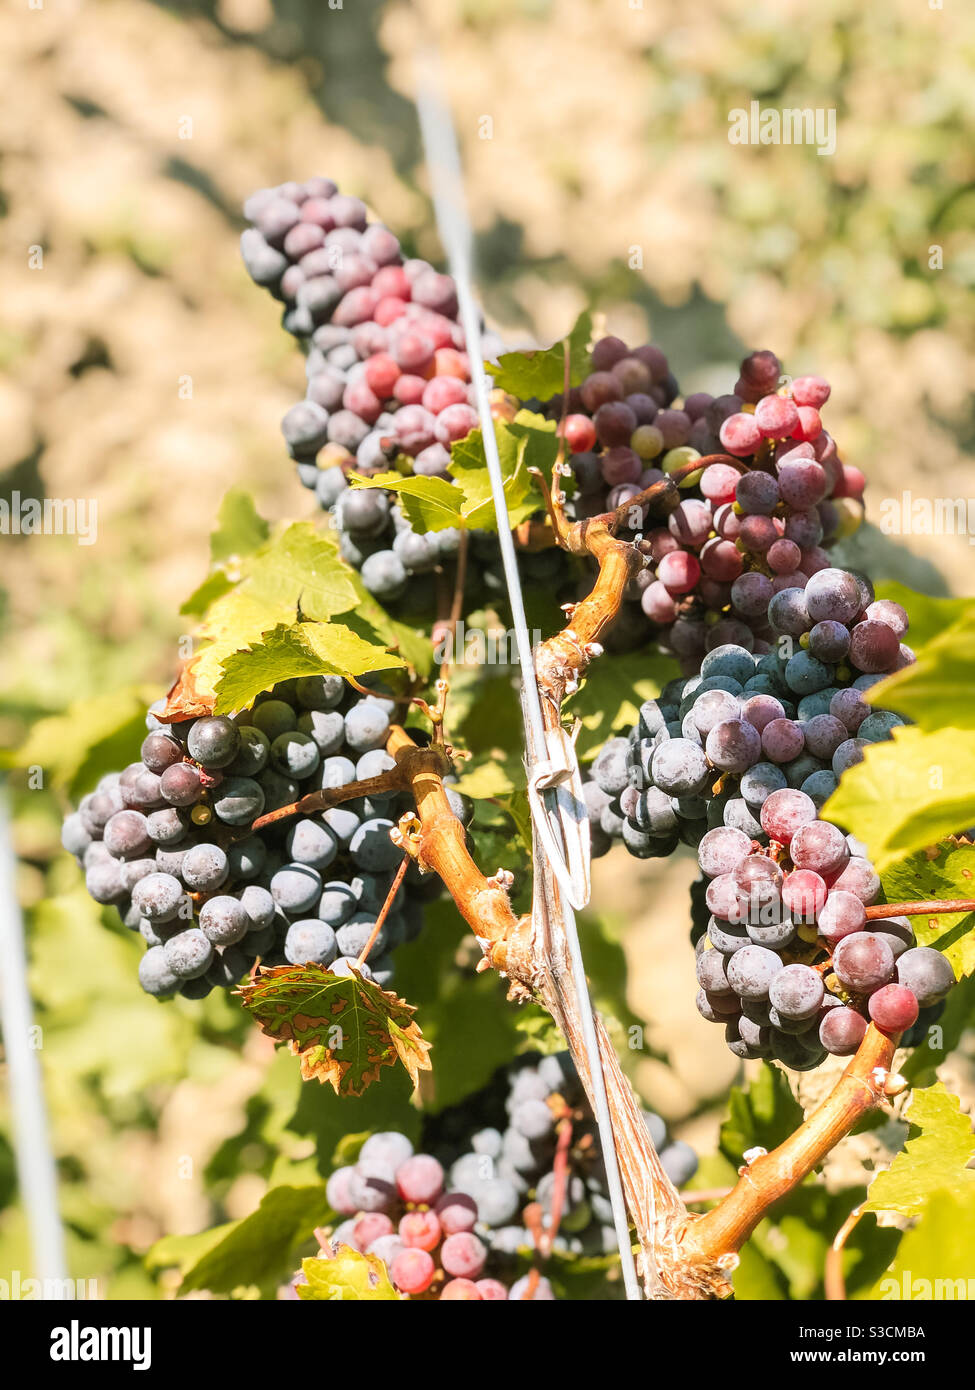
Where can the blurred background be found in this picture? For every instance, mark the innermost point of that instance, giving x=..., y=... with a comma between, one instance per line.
x=141, y=368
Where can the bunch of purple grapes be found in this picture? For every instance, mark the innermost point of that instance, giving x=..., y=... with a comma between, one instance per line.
x=388, y=377
x=770, y=514
x=738, y=761
x=169, y=842
x=448, y=1222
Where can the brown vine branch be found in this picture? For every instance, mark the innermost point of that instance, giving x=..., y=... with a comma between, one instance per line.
x=440, y=843
x=720, y=1233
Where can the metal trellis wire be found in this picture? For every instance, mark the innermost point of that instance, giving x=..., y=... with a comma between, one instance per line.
x=443, y=162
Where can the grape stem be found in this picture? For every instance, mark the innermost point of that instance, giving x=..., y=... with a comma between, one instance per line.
x=834, y=1284
x=916, y=909
x=560, y=1173
x=390, y=781
x=384, y=911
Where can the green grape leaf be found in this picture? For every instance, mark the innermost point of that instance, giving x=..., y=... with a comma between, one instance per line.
x=239, y=530
x=541, y=373
x=527, y=441
x=485, y=778
x=344, y=1029
x=935, y=1160
x=297, y=573
x=301, y=569
x=206, y=594
x=949, y=874
x=929, y=616
x=934, y=692
x=540, y=1030
x=761, y=1115
x=304, y=649
x=89, y=738
x=259, y=1249
x=934, y=1259
x=757, y=1277
x=609, y=700
x=431, y=504
x=238, y=533
x=345, y=1278
x=909, y=792
x=183, y=1252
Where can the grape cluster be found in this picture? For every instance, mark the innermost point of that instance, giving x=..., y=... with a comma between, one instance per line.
x=748, y=524
x=388, y=377
x=738, y=761
x=446, y=1222
x=169, y=841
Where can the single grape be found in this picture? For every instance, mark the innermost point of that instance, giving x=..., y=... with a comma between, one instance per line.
x=721, y=850
x=412, y=1271
x=205, y=867
x=796, y=991
x=238, y=800
x=296, y=888
x=804, y=894
x=734, y=745
x=273, y=717
x=863, y=961
x=420, y=1179
x=927, y=973
x=158, y=896
x=893, y=1008
x=126, y=835
x=188, y=953
x=155, y=974
x=224, y=920
x=784, y=812
x=841, y=1031
x=819, y=846
x=463, y=1255
x=751, y=971
x=842, y=915
x=213, y=741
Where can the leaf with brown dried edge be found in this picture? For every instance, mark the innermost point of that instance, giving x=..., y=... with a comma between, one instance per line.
x=344, y=1029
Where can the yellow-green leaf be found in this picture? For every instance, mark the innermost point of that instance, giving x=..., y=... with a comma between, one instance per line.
x=303, y=649
x=541, y=373
x=929, y=616
x=431, y=504
x=257, y=1250
x=301, y=567
x=949, y=874
x=908, y=792
x=346, y=1277
x=935, y=1160
x=527, y=441
x=936, y=691
x=936, y=1260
